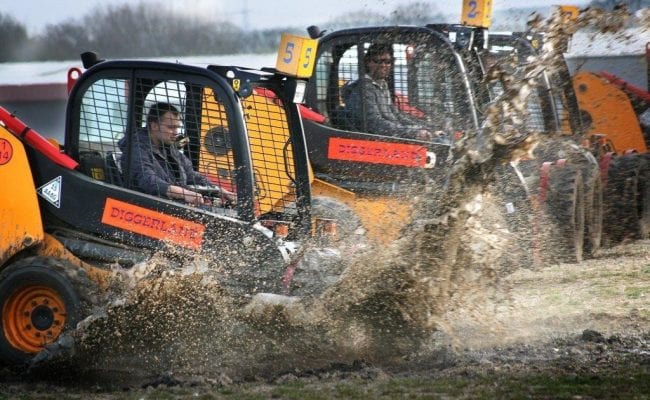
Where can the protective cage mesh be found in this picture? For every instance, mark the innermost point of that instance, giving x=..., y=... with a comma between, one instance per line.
x=203, y=136
x=423, y=82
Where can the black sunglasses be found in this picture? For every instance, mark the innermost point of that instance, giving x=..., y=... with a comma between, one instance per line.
x=383, y=61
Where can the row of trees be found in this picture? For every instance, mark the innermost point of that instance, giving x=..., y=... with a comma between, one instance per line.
x=130, y=31
x=137, y=31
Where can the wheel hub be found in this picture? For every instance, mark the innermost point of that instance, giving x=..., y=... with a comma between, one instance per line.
x=42, y=317
x=32, y=317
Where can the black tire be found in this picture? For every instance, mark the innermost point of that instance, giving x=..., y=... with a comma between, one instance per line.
x=347, y=221
x=519, y=217
x=594, y=210
x=643, y=202
x=624, y=204
x=31, y=293
x=565, y=210
x=321, y=265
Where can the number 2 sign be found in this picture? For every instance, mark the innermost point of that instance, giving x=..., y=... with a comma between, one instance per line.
x=477, y=13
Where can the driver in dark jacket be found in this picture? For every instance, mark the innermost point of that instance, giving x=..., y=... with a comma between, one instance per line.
x=156, y=166
x=371, y=91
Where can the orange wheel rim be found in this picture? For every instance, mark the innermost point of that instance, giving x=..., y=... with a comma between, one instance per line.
x=32, y=317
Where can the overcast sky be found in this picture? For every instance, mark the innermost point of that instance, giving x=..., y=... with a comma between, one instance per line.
x=259, y=13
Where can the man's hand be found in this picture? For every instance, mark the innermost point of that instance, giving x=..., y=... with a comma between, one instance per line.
x=188, y=196
x=195, y=199
x=228, y=197
x=427, y=135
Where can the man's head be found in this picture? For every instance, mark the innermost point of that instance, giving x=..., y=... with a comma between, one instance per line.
x=163, y=123
x=379, y=60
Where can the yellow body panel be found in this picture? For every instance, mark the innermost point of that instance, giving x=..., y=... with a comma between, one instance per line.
x=21, y=225
x=611, y=112
x=268, y=136
x=383, y=217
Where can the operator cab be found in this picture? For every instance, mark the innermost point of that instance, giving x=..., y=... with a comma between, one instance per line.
x=239, y=128
x=106, y=132
x=427, y=82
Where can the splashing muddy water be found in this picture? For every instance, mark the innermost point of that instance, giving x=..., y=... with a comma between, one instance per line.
x=385, y=305
x=382, y=307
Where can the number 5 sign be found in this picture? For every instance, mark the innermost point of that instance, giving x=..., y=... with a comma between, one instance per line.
x=296, y=56
x=477, y=13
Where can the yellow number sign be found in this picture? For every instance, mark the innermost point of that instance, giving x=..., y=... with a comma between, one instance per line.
x=296, y=56
x=477, y=13
x=570, y=12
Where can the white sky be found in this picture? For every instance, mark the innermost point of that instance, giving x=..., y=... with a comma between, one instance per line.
x=35, y=14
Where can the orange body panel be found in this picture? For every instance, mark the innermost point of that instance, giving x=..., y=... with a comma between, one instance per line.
x=51, y=247
x=611, y=113
x=21, y=225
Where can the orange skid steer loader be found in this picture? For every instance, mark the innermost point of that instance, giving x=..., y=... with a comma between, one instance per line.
x=70, y=212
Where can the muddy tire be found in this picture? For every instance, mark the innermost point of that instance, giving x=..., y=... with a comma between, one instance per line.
x=347, y=221
x=323, y=261
x=518, y=214
x=644, y=199
x=594, y=210
x=565, y=202
x=627, y=207
x=318, y=269
x=41, y=299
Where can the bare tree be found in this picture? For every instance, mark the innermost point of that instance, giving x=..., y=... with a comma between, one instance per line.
x=144, y=30
x=14, y=37
x=61, y=42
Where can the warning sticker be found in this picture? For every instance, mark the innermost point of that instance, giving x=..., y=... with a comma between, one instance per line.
x=152, y=223
x=51, y=191
x=368, y=151
x=6, y=151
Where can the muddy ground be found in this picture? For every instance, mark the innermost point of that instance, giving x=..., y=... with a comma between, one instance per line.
x=558, y=331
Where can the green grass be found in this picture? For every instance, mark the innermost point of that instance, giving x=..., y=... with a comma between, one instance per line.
x=623, y=382
x=635, y=292
x=488, y=386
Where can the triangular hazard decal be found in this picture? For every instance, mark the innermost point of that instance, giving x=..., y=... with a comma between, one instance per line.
x=51, y=191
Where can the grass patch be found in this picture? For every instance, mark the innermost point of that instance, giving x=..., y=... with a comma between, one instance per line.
x=483, y=385
x=635, y=292
x=624, y=378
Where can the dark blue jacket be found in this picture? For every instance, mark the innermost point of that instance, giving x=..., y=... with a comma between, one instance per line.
x=382, y=115
x=152, y=169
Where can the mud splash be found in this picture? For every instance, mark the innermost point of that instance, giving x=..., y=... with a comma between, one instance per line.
x=387, y=302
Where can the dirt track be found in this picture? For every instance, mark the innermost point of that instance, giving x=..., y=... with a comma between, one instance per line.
x=609, y=294
x=583, y=329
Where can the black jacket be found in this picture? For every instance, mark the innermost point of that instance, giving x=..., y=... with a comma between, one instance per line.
x=153, y=169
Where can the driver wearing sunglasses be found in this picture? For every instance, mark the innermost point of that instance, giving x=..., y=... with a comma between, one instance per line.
x=382, y=116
